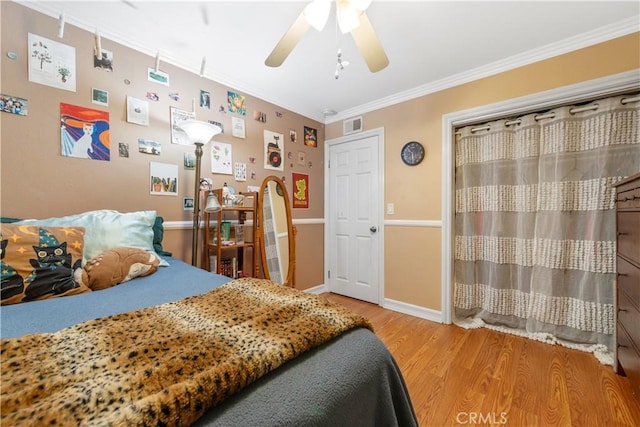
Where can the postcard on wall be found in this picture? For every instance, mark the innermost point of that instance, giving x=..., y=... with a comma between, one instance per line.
x=157, y=76
x=163, y=179
x=123, y=149
x=137, y=111
x=177, y=135
x=293, y=136
x=300, y=190
x=273, y=143
x=205, y=99
x=310, y=137
x=240, y=171
x=105, y=62
x=52, y=63
x=235, y=103
x=84, y=132
x=14, y=105
x=189, y=160
x=100, y=97
x=237, y=127
x=147, y=146
x=221, y=158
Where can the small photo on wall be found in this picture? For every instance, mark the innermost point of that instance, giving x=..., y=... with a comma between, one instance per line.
x=100, y=97
x=147, y=146
x=293, y=136
x=310, y=137
x=205, y=99
x=163, y=179
x=123, y=149
x=105, y=62
x=14, y=105
x=187, y=203
x=189, y=161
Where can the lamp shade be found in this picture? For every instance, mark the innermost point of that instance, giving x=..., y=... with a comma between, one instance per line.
x=213, y=205
x=199, y=132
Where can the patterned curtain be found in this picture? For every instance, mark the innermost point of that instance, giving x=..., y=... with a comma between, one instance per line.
x=535, y=219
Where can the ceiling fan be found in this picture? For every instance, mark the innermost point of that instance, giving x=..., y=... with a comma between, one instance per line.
x=351, y=17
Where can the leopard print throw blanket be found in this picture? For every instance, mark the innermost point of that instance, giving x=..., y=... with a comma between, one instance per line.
x=167, y=364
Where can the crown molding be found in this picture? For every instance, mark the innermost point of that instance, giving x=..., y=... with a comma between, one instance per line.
x=590, y=38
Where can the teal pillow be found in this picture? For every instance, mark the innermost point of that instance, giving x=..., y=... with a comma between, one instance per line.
x=108, y=229
x=7, y=220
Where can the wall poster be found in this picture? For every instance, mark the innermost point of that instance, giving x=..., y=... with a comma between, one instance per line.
x=300, y=190
x=273, y=144
x=52, y=63
x=84, y=132
x=221, y=158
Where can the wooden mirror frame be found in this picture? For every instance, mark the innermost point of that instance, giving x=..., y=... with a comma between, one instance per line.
x=289, y=278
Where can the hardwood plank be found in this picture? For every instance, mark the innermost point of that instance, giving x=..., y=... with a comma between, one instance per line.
x=457, y=376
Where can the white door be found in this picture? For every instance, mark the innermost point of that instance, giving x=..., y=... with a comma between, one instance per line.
x=353, y=212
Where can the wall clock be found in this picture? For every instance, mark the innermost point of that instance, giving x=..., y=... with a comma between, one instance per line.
x=412, y=153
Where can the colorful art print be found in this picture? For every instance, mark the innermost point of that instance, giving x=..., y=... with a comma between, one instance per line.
x=273, y=143
x=259, y=116
x=189, y=161
x=220, y=125
x=105, y=62
x=300, y=190
x=84, y=132
x=137, y=111
x=52, y=63
x=310, y=137
x=221, y=158
x=237, y=127
x=157, y=76
x=178, y=136
x=146, y=146
x=205, y=99
x=293, y=136
x=235, y=103
x=100, y=97
x=14, y=105
x=163, y=179
x=123, y=149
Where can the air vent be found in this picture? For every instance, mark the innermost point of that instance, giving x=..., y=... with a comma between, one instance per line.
x=352, y=125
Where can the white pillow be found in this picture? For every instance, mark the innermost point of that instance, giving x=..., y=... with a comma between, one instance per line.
x=108, y=229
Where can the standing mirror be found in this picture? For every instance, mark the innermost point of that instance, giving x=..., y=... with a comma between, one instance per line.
x=276, y=233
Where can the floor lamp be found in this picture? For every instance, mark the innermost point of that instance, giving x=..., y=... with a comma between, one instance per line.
x=199, y=133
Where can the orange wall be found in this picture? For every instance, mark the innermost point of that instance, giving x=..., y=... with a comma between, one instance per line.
x=413, y=254
x=37, y=182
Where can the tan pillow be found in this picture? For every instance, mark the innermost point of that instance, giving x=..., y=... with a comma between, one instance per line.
x=38, y=262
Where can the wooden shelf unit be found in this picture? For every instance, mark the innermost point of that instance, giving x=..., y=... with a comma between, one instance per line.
x=233, y=259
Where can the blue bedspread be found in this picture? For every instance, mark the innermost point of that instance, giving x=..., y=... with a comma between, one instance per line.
x=177, y=281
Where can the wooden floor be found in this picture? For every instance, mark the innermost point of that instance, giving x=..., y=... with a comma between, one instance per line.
x=457, y=376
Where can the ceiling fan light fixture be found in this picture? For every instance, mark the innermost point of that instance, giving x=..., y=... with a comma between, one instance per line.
x=348, y=16
x=317, y=13
x=361, y=5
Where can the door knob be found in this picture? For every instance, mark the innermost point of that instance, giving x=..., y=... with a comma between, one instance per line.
x=373, y=229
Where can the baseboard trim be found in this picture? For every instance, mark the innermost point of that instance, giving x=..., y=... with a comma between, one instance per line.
x=317, y=290
x=413, y=310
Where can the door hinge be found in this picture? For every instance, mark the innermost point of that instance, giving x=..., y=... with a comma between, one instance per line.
x=329, y=274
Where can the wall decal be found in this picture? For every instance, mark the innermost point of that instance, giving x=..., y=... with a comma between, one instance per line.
x=84, y=132
x=52, y=63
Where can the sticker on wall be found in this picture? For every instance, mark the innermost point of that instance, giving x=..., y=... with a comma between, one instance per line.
x=221, y=158
x=240, y=171
x=99, y=96
x=235, y=103
x=300, y=190
x=152, y=96
x=157, y=76
x=174, y=96
x=105, y=62
x=237, y=127
x=84, y=132
x=147, y=146
x=279, y=114
x=273, y=150
x=177, y=135
x=52, y=63
x=293, y=136
x=310, y=137
x=137, y=111
x=123, y=149
x=14, y=105
x=163, y=179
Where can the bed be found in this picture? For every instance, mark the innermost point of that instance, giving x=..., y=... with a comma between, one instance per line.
x=351, y=379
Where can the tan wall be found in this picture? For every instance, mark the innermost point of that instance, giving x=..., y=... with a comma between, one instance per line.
x=412, y=255
x=37, y=182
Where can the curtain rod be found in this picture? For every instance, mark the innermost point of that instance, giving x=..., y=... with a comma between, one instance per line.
x=539, y=117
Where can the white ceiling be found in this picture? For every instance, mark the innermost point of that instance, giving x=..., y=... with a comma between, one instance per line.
x=430, y=44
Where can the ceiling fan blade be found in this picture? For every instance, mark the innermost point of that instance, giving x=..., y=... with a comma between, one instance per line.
x=288, y=42
x=369, y=45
